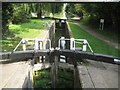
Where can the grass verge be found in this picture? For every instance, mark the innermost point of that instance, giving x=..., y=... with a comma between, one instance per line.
x=97, y=45
x=107, y=31
x=31, y=29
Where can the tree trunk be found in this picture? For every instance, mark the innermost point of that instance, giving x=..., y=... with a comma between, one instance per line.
x=39, y=14
x=5, y=27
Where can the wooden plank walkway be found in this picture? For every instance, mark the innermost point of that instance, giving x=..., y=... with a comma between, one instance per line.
x=13, y=74
x=94, y=75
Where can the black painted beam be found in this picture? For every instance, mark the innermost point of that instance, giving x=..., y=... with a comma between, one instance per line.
x=23, y=55
x=91, y=56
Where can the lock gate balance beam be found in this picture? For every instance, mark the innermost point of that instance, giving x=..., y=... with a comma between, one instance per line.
x=23, y=55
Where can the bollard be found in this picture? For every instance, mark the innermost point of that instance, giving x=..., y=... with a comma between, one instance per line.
x=84, y=45
x=72, y=44
x=62, y=58
x=36, y=47
x=63, y=42
x=24, y=44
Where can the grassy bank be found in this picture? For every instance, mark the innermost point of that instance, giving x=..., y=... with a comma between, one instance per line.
x=97, y=45
x=31, y=29
x=106, y=32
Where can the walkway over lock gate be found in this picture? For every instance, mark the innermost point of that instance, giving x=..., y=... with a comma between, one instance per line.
x=72, y=52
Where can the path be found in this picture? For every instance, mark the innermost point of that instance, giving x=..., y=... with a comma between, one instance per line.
x=99, y=75
x=99, y=36
x=13, y=74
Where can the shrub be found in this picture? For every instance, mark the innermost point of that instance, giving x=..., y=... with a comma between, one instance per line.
x=20, y=16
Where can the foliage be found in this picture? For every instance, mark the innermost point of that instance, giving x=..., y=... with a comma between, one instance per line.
x=95, y=11
x=78, y=10
x=25, y=30
x=45, y=9
x=97, y=45
x=7, y=12
x=19, y=14
x=74, y=9
x=42, y=78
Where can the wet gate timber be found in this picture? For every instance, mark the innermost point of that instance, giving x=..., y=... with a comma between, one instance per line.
x=52, y=55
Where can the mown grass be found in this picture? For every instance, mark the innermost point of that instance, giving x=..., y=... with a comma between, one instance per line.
x=97, y=45
x=31, y=29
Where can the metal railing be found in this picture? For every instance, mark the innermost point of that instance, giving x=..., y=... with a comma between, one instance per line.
x=36, y=41
x=73, y=42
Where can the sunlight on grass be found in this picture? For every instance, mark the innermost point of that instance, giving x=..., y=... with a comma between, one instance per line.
x=97, y=45
x=31, y=33
x=31, y=29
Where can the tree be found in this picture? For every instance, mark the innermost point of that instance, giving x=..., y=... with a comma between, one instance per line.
x=20, y=15
x=7, y=13
x=109, y=11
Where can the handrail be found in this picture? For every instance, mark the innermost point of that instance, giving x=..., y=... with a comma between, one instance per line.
x=87, y=44
x=76, y=41
x=17, y=46
x=90, y=47
x=33, y=39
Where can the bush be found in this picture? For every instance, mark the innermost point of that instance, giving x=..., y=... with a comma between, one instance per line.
x=20, y=16
x=90, y=20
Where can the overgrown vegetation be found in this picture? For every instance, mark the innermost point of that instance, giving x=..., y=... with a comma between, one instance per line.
x=98, y=46
x=42, y=78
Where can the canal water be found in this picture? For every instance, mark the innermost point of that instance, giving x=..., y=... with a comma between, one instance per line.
x=61, y=30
